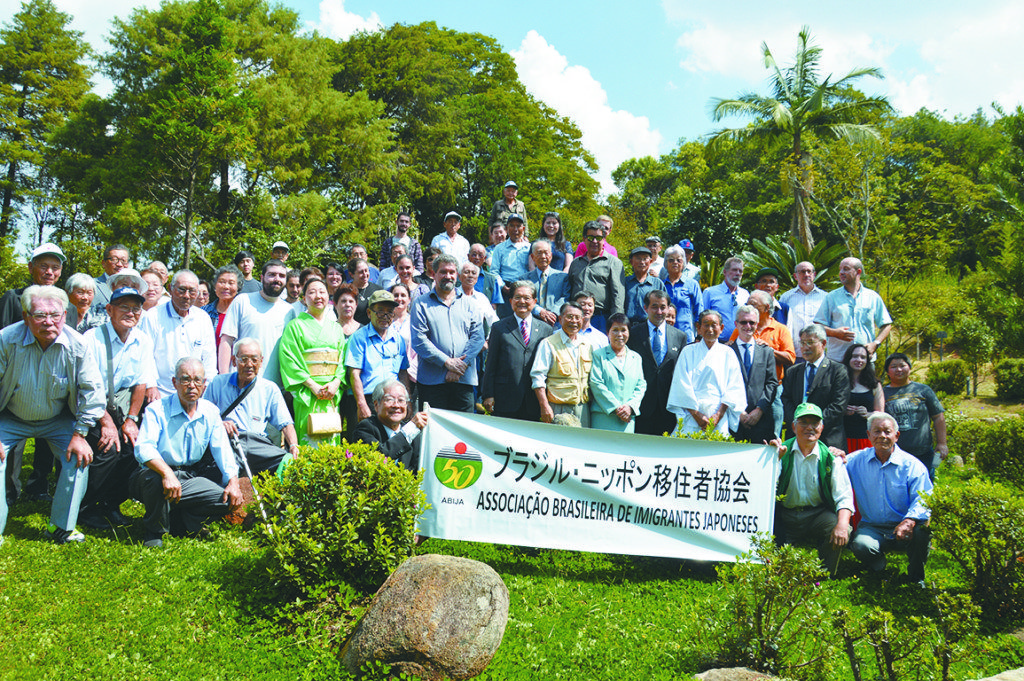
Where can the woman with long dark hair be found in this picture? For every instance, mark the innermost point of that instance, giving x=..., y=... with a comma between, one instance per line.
x=866, y=396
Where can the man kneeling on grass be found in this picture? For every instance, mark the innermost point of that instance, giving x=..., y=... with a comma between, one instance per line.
x=817, y=497
x=176, y=432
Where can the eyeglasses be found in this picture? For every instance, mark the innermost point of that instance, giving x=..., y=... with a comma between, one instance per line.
x=189, y=380
x=746, y=323
x=47, y=268
x=130, y=309
x=391, y=400
x=46, y=316
x=117, y=261
x=593, y=238
x=187, y=290
x=245, y=361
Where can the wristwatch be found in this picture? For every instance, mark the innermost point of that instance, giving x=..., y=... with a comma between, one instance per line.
x=82, y=431
x=132, y=417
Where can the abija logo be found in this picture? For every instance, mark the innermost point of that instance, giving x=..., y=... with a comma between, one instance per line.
x=458, y=467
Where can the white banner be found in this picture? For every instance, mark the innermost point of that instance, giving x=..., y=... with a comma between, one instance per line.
x=496, y=480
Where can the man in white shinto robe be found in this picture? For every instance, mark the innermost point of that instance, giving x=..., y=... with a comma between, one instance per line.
x=707, y=386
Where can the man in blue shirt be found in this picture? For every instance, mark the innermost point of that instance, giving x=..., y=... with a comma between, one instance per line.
x=447, y=334
x=175, y=434
x=727, y=296
x=639, y=284
x=888, y=484
x=376, y=352
x=263, y=405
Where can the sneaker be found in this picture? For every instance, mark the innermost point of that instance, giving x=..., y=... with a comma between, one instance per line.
x=153, y=541
x=59, y=535
x=118, y=519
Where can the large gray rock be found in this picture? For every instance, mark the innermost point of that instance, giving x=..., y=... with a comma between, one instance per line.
x=436, y=617
x=1012, y=675
x=733, y=674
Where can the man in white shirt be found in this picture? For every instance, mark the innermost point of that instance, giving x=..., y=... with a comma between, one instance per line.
x=179, y=330
x=561, y=370
x=260, y=315
x=450, y=242
x=803, y=301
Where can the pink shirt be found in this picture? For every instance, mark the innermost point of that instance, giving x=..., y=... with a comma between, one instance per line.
x=609, y=250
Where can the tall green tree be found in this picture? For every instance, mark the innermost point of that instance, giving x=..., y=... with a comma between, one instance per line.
x=43, y=78
x=801, y=106
x=464, y=125
x=223, y=118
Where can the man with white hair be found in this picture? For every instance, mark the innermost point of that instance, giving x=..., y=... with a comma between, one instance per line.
x=50, y=389
x=178, y=330
x=248, y=411
x=888, y=484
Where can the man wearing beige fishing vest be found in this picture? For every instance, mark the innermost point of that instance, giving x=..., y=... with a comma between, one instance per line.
x=561, y=370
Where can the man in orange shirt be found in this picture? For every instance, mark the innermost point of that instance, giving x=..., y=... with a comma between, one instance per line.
x=777, y=337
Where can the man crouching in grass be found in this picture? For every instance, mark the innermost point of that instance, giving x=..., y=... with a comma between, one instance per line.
x=175, y=434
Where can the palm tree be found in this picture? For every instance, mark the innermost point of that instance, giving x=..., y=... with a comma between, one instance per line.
x=801, y=104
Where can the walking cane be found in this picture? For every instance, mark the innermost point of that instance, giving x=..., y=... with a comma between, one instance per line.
x=236, y=444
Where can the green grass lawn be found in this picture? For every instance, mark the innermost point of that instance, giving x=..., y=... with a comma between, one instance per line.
x=109, y=609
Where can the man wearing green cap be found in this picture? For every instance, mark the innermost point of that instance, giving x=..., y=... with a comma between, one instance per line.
x=816, y=494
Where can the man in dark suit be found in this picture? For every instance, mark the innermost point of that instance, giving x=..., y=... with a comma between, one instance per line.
x=820, y=381
x=757, y=362
x=511, y=349
x=652, y=338
x=396, y=441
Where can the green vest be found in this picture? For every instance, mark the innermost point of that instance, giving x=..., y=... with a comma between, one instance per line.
x=825, y=464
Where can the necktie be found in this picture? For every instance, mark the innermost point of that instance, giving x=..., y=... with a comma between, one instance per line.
x=658, y=347
x=747, y=361
x=543, y=286
x=810, y=379
x=525, y=326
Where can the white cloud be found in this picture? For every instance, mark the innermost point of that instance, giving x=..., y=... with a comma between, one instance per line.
x=612, y=136
x=336, y=23
x=948, y=57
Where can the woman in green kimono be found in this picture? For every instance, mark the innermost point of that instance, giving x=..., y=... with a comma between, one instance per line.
x=312, y=353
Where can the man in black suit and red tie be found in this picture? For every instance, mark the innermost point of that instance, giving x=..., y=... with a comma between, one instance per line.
x=658, y=344
x=757, y=362
x=385, y=426
x=820, y=381
x=511, y=349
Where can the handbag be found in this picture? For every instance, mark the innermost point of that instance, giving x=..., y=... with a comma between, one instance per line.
x=324, y=423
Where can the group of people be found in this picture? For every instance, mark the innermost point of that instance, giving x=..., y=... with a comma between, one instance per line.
x=155, y=380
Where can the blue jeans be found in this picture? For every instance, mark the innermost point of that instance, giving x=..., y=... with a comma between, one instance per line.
x=870, y=543
x=72, y=481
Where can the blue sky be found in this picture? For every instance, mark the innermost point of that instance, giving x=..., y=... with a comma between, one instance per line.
x=638, y=78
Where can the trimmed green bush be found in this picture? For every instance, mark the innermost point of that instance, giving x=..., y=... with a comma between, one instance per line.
x=949, y=377
x=340, y=516
x=999, y=451
x=1009, y=376
x=980, y=524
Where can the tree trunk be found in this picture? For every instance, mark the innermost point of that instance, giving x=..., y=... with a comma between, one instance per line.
x=225, y=191
x=6, y=212
x=801, y=219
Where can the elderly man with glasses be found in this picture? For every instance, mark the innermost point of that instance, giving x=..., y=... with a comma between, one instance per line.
x=50, y=389
x=387, y=427
x=178, y=330
x=179, y=489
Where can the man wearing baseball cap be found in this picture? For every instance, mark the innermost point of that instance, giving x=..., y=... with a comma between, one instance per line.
x=279, y=251
x=376, y=352
x=450, y=242
x=508, y=205
x=124, y=355
x=817, y=497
